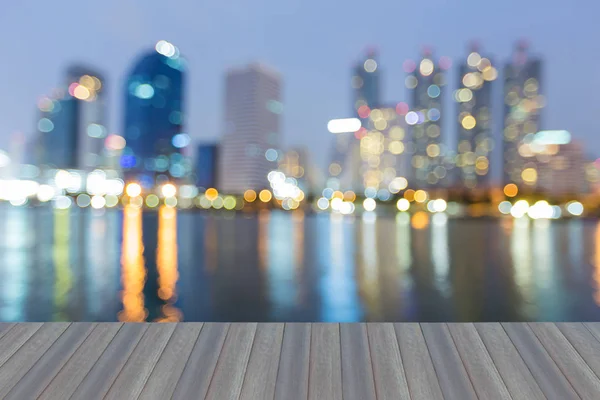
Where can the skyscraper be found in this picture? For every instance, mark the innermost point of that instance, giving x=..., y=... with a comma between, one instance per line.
x=426, y=81
x=522, y=112
x=87, y=88
x=154, y=118
x=253, y=108
x=345, y=166
x=206, y=165
x=71, y=126
x=384, y=165
x=474, y=119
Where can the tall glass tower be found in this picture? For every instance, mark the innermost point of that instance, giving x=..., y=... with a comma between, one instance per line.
x=345, y=166
x=426, y=83
x=522, y=114
x=154, y=118
x=474, y=119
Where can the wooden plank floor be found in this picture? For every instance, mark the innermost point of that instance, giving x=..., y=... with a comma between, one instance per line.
x=300, y=361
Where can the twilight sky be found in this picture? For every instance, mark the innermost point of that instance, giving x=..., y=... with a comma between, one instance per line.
x=313, y=43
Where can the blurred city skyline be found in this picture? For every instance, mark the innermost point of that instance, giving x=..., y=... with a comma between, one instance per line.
x=315, y=63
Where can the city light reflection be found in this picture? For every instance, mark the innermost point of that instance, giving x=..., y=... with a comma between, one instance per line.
x=166, y=263
x=133, y=271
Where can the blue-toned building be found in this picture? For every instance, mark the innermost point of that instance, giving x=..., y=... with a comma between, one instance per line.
x=154, y=118
x=206, y=165
x=56, y=146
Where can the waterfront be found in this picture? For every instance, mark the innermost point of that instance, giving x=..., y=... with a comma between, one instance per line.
x=106, y=265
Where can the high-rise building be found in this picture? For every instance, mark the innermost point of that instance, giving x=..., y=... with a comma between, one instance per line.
x=253, y=108
x=57, y=136
x=523, y=103
x=71, y=126
x=154, y=118
x=345, y=165
x=384, y=162
x=474, y=119
x=431, y=159
x=559, y=168
x=87, y=88
x=206, y=165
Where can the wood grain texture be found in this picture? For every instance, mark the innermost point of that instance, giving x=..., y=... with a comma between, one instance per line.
x=13, y=339
x=5, y=327
x=479, y=365
x=165, y=375
x=548, y=376
x=325, y=374
x=388, y=371
x=452, y=376
x=136, y=371
x=98, y=381
x=196, y=376
x=515, y=373
x=357, y=371
x=575, y=369
x=261, y=373
x=584, y=342
x=420, y=374
x=292, y=378
x=39, y=376
x=28, y=354
x=226, y=383
x=63, y=385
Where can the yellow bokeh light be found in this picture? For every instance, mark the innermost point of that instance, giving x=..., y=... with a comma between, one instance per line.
x=211, y=194
x=473, y=59
x=403, y=205
x=420, y=220
x=426, y=67
x=81, y=92
x=469, y=122
x=335, y=169
x=433, y=150
x=420, y=196
x=168, y=190
x=349, y=196
x=249, y=195
x=409, y=195
x=133, y=190
x=338, y=195
x=511, y=190
x=396, y=147
x=265, y=196
x=529, y=175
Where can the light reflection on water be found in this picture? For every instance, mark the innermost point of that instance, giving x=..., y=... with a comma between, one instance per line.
x=96, y=265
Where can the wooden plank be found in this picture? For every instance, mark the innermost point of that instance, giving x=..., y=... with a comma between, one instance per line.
x=388, y=371
x=292, y=378
x=420, y=374
x=5, y=327
x=575, y=369
x=13, y=339
x=102, y=375
x=70, y=376
x=357, y=372
x=325, y=371
x=594, y=328
x=479, y=365
x=139, y=366
x=201, y=364
x=584, y=342
x=161, y=383
x=548, y=376
x=39, y=376
x=261, y=373
x=450, y=370
x=229, y=373
x=22, y=360
x=517, y=377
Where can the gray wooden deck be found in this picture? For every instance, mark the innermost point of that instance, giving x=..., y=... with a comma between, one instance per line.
x=300, y=361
